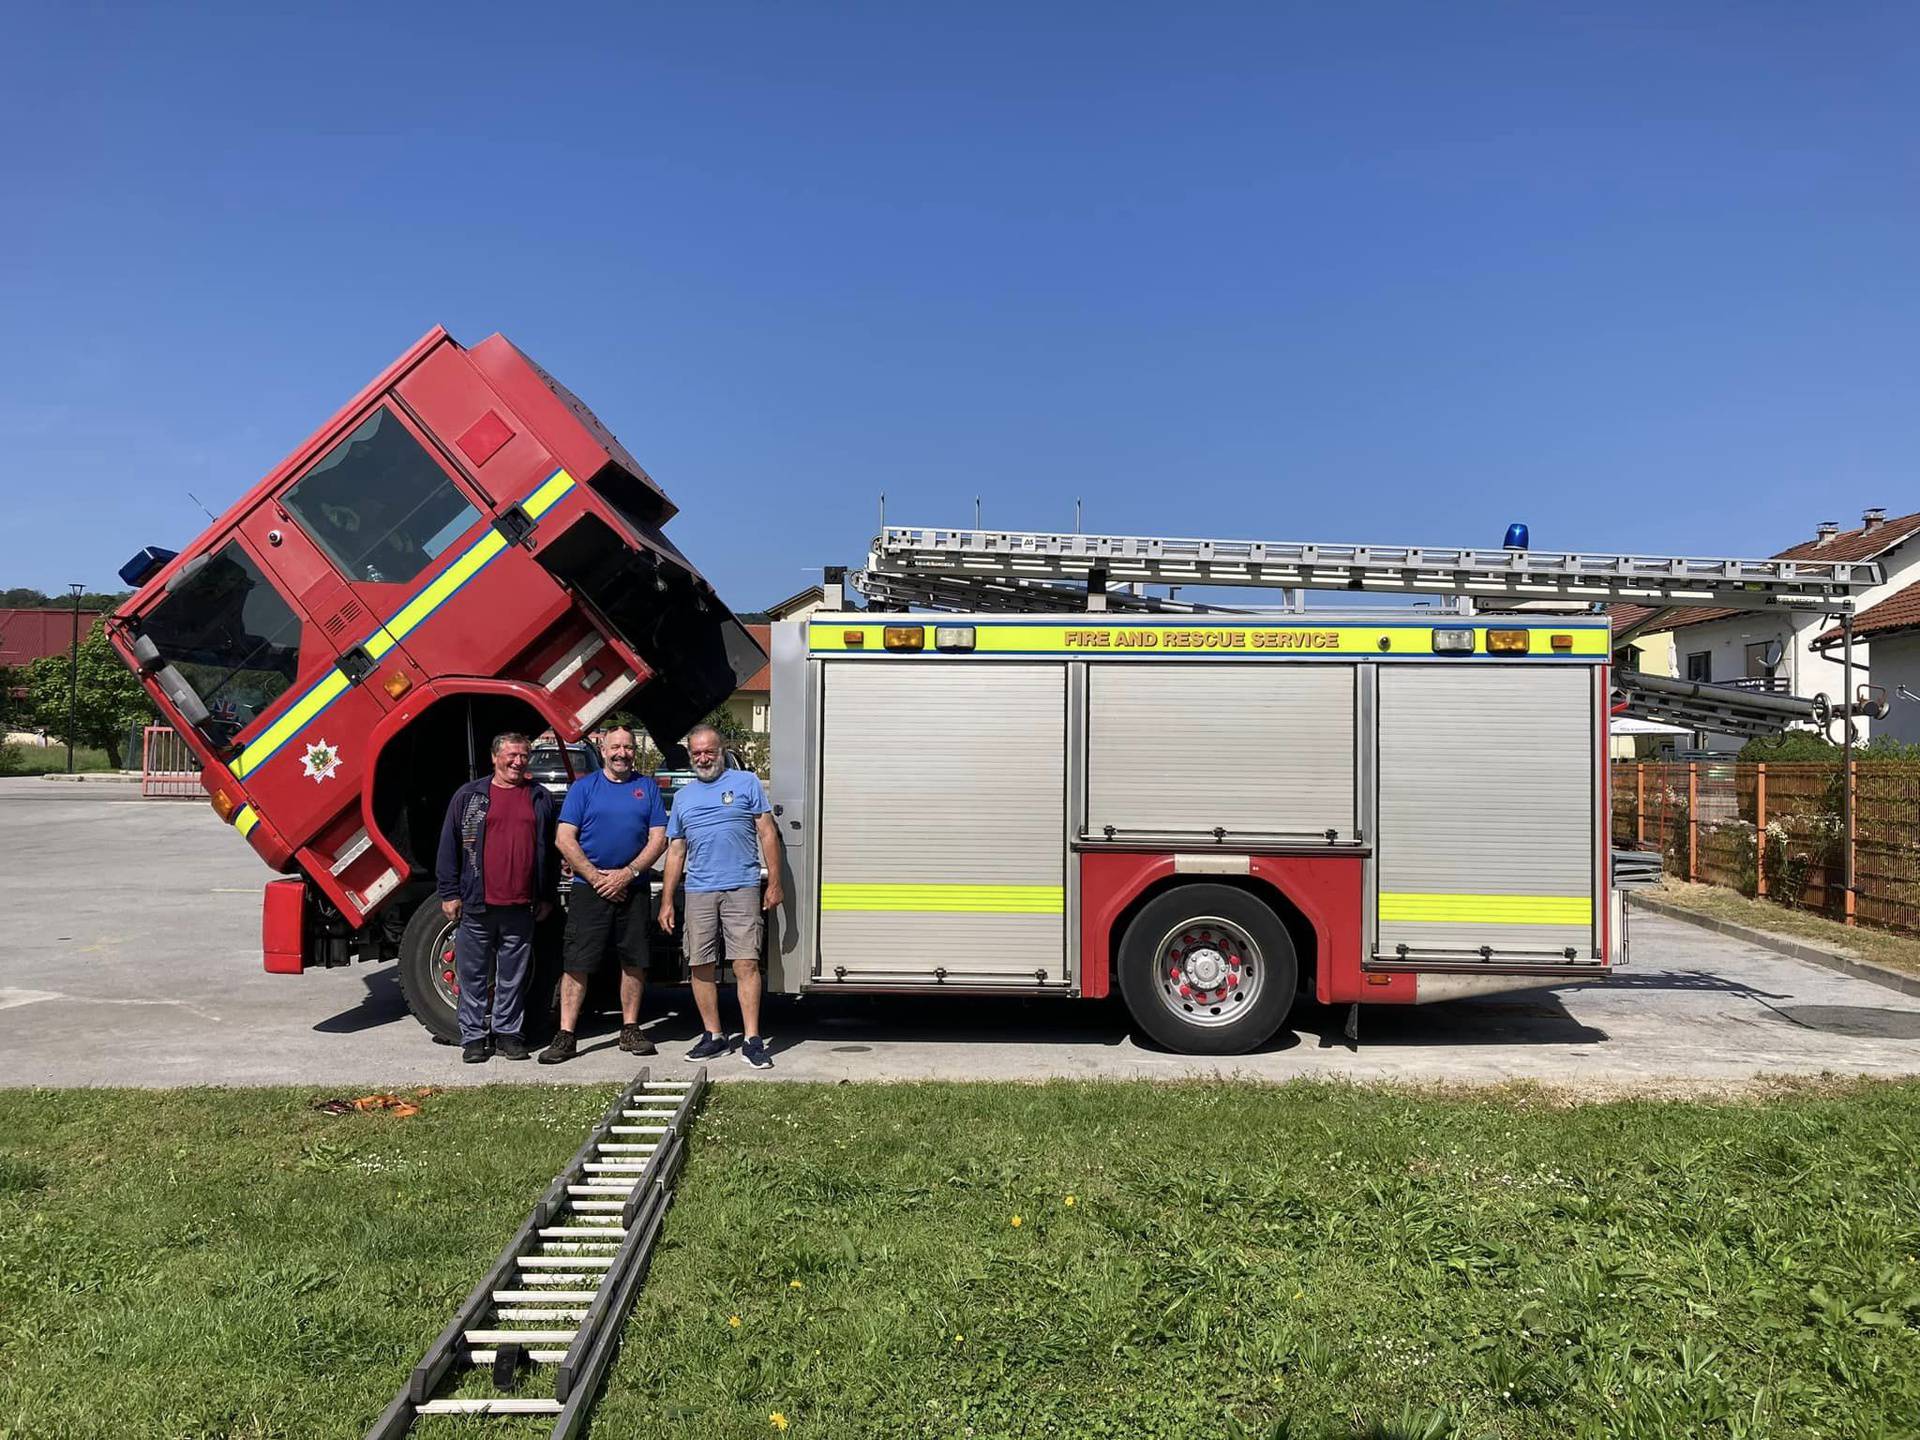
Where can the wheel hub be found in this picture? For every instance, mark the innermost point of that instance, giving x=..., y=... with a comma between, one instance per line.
x=1210, y=972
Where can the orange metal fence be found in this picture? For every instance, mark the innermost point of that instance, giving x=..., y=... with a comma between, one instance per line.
x=1776, y=831
x=168, y=770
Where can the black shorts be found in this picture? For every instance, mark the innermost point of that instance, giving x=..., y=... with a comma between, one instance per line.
x=596, y=927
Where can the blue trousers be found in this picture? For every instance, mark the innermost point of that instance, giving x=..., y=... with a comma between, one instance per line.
x=493, y=955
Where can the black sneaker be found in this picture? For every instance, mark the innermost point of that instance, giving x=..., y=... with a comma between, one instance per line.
x=753, y=1050
x=708, y=1046
x=476, y=1052
x=510, y=1047
x=634, y=1041
x=562, y=1048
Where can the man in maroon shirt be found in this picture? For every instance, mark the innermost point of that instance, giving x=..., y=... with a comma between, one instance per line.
x=496, y=877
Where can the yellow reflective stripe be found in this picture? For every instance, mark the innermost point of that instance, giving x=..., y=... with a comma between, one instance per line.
x=947, y=899
x=1487, y=909
x=1148, y=639
x=448, y=581
x=246, y=819
x=544, y=499
x=291, y=723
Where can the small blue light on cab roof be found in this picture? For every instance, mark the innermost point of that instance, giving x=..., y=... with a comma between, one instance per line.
x=1516, y=536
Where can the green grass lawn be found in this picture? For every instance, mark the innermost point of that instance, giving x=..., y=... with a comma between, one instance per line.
x=44, y=760
x=1189, y=1260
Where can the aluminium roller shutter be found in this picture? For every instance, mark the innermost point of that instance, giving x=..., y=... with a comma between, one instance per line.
x=943, y=821
x=1487, y=776
x=1255, y=749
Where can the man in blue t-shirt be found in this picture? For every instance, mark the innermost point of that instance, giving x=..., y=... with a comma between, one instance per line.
x=612, y=828
x=719, y=835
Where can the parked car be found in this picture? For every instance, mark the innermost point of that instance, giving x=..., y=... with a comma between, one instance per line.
x=549, y=767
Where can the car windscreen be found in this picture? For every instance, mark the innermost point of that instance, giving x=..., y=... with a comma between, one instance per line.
x=379, y=505
x=230, y=635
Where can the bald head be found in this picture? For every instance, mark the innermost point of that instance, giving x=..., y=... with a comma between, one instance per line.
x=617, y=749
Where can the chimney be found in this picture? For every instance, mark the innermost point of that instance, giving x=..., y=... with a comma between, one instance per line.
x=1873, y=518
x=1824, y=532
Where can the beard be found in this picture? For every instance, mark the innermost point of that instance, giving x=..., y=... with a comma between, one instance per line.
x=708, y=769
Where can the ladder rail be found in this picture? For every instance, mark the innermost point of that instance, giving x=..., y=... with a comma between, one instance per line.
x=1041, y=557
x=616, y=1277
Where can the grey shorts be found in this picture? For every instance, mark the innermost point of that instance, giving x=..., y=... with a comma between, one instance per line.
x=730, y=916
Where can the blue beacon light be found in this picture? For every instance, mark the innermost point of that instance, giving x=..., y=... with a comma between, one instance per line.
x=1516, y=536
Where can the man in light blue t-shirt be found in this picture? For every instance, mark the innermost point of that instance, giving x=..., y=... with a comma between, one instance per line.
x=719, y=834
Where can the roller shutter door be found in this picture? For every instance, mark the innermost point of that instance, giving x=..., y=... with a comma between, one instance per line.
x=1257, y=750
x=942, y=822
x=1486, y=812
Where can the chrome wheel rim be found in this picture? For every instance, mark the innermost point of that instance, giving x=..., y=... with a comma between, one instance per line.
x=446, y=975
x=1208, y=971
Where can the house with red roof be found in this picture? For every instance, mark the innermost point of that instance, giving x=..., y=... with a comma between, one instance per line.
x=1797, y=652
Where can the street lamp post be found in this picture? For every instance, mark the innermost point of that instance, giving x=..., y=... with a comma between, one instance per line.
x=73, y=675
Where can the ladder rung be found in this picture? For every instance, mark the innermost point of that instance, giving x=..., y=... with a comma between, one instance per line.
x=542, y=1277
x=564, y=1262
x=667, y=1085
x=582, y=1207
x=542, y=1297
x=603, y=1187
x=615, y=1167
x=520, y=1337
x=488, y=1407
x=518, y=1317
x=538, y=1357
x=616, y=1147
x=562, y=1232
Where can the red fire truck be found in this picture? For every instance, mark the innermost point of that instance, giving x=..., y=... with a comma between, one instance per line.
x=1206, y=809
x=463, y=549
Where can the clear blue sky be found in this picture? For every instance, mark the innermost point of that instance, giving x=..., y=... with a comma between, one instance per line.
x=1647, y=277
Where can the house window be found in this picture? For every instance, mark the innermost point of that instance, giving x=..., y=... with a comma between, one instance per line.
x=1700, y=665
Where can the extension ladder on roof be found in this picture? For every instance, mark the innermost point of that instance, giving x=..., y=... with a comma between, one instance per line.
x=970, y=557
x=560, y=1292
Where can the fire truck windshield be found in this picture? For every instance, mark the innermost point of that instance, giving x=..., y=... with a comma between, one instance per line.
x=379, y=505
x=231, y=637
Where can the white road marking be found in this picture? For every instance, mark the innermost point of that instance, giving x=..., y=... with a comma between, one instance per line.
x=9, y=998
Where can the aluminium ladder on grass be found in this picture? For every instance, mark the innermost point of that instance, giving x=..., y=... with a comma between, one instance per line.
x=560, y=1292
x=985, y=561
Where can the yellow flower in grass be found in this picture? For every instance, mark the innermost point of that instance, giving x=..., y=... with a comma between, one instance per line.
x=734, y=1321
x=795, y=1285
x=777, y=1420
x=1069, y=1202
x=1015, y=1222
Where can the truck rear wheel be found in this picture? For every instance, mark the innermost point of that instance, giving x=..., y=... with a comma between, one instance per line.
x=427, y=976
x=1208, y=970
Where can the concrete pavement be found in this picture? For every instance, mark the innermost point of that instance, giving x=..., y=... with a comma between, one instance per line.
x=129, y=955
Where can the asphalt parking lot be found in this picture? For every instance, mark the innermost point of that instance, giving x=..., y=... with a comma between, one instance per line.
x=130, y=956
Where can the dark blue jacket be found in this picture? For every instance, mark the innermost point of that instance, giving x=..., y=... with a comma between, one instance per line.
x=461, y=870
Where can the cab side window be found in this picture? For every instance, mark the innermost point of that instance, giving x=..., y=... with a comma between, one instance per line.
x=378, y=504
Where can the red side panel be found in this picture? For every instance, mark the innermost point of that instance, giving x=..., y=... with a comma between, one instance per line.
x=283, y=924
x=1327, y=890
x=1108, y=884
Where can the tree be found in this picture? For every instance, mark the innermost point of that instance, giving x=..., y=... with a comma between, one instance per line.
x=109, y=698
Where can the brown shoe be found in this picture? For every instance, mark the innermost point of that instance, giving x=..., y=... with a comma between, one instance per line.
x=561, y=1050
x=634, y=1041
